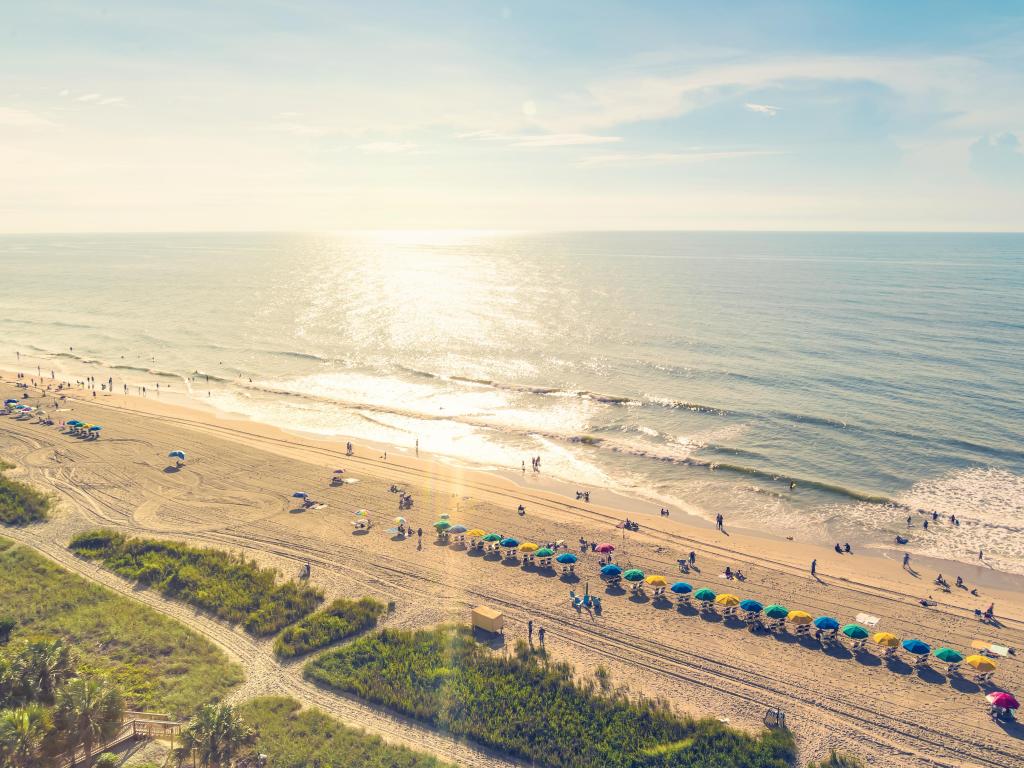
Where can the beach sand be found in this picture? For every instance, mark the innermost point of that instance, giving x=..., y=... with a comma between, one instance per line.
x=235, y=493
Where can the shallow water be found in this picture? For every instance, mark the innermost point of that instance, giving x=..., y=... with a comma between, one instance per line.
x=704, y=371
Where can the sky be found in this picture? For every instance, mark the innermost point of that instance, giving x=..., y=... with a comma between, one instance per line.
x=328, y=116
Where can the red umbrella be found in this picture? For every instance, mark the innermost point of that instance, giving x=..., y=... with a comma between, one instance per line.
x=1001, y=699
x=604, y=549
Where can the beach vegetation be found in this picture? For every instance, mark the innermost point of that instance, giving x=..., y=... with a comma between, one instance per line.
x=157, y=663
x=338, y=621
x=21, y=504
x=838, y=760
x=214, y=735
x=227, y=585
x=297, y=738
x=531, y=708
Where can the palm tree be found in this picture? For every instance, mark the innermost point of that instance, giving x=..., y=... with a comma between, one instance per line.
x=43, y=667
x=89, y=711
x=216, y=733
x=22, y=734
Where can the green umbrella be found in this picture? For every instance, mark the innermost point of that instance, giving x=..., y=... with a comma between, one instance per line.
x=442, y=525
x=856, y=632
x=633, y=574
x=949, y=656
x=544, y=552
x=776, y=611
x=705, y=595
x=492, y=537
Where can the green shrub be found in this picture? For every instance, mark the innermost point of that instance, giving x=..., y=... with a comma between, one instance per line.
x=341, y=619
x=21, y=504
x=107, y=760
x=294, y=738
x=533, y=709
x=158, y=664
x=229, y=586
x=7, y=625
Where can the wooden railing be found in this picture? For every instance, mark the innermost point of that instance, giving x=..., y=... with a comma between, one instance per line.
x=136, y=725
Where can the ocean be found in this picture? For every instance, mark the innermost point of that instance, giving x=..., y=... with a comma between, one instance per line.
x=705, y=372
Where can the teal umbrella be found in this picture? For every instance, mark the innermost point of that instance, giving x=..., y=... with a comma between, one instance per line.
x=856, y=632
x=776, y=611
x=633, y=574
x=704, y=595
x=949, y=656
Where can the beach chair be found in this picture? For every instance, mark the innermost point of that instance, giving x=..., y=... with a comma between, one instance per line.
x=889, y=653
x=614, y=583
x=707, y=606
x=683, y=600
x=857, y=645
x=802, y=630
x=729, y=611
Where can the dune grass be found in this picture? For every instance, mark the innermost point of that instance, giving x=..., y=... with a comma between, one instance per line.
x=227, y=585
x=339, y=620
x=21, y=504
x=158, y=663
x=838, y=760
x=532, y=709
x=298, y=739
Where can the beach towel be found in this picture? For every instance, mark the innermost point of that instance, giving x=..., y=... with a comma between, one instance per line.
x=867, y=619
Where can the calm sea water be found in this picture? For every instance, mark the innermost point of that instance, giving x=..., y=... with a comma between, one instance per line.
x=705, y=372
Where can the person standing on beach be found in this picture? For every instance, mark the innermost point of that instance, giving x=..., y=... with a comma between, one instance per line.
x=529, y=630
x=981, y=554
x=417, y=447
x=693, y=557
x=814, y=567
x=540, y=636
x=906, y=559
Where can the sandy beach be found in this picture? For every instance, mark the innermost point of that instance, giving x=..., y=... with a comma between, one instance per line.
x=235, y=492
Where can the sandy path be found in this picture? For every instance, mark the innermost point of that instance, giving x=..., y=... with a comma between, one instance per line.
x=235, y=496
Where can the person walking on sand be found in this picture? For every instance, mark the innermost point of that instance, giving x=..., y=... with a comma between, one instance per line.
x=540, y=636
x=906, y=559
x=814, y=567
x=693, y=557
x=529, y=630
x=981, y=554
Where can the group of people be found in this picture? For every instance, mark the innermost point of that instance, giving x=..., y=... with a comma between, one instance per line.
x=583, y=496
x=844, y=549
x=720, y=521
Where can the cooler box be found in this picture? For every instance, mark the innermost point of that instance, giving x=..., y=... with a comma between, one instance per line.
x=488, y=619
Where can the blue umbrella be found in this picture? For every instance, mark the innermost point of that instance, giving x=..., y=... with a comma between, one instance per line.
x=177, y=455
x=299, y=495
x=10, y=401
x=510, y=542
x=916, y=647
x=751, y=606
x=566, y=557
x=681, y=588
x=457, y=529
x=826, y=622
x=95, y=428
x=611, y=570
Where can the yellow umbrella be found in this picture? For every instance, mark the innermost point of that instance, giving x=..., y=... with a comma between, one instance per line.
x=799, y=617
x=886, y=639
x=731, y=601
x=980, y=663
x=657, y=581
x=476, y=533
x=528, y=546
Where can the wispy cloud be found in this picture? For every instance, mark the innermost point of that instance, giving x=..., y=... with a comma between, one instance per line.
x=764, y=109
x=386, y=147
x=541, y=139
x=22, y=118
x=89, y=97
x=94, y=98
x=671, y=158
x=301, y=130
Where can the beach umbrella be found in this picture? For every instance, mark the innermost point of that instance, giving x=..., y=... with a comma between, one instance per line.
x=980, y=663
x=9, y=401
x=172, y=454
x=657, y=581
x=492, y=537
x=95, y=428
x=826, y=623
x=339, y=471
x=610, y=570
x=566, y=558
x=510, y=543
x=855, y=632
x=444, y=515
x=751, y=606
x=399, y=520
x=799, y=617
x=776, y=611
x=727, y=600
x=605, y=548
x=886, y=639
x=300, y=495
x=360, y=513
x=949, y=656
x=633, y=574
x=77, y=423
x=705, y=595
x=916, y=647
x=476, y=533
x=1002, y=699
x=681, y=588
x=457, y=529
x=528, y=546
x=545, y=552
x=442, y=525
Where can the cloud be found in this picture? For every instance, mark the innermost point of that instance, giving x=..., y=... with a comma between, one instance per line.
x=110, y=100
x=302, y=130
x=999, y=156
x=764, y=109
x=541, y=139
x=671, y=158
x=89, y=97
x=386, y=147
x=22, y=118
